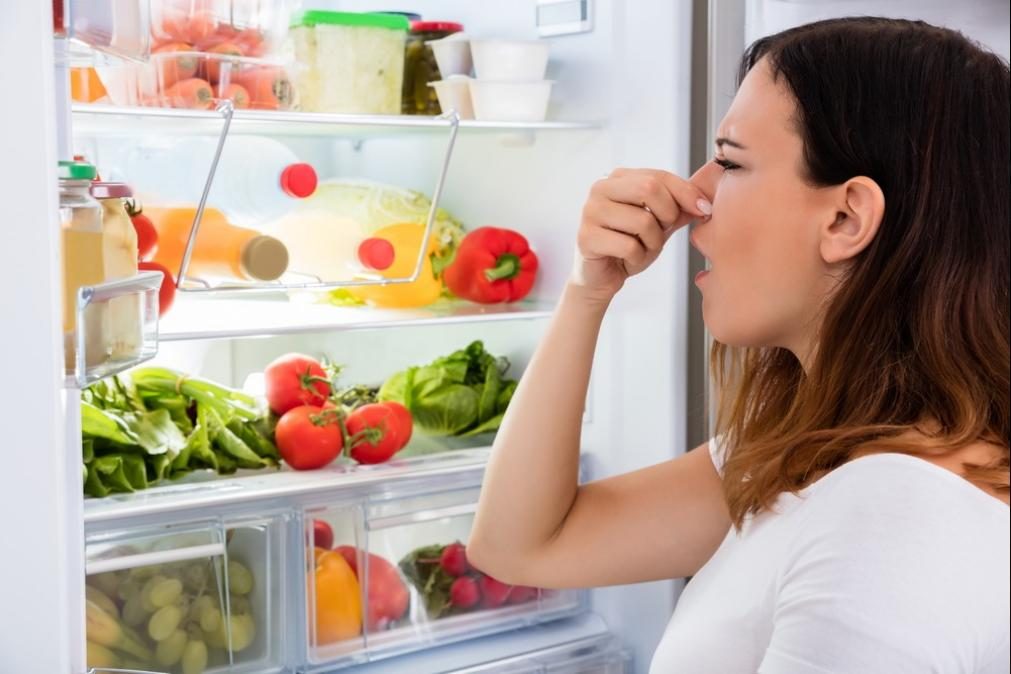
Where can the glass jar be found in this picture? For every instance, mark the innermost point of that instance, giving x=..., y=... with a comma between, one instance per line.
x=121, y=334
x=81, y=243
x=420, y=67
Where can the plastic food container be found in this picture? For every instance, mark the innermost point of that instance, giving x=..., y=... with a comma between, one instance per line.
x=117, y=28
x=510, y=101
x=454, y=94
x=420, y=66
x=184, y=598
x=452, y=55
x=509, y=60
x=253, y=28
x=198, y=81
x=349, y=62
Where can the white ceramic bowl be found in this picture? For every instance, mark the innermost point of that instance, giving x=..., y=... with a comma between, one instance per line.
x=454, y=94
x=509, y=60
x=510, y=101
x=452, y=55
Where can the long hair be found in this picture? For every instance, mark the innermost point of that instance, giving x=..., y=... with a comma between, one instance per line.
x=915, y=337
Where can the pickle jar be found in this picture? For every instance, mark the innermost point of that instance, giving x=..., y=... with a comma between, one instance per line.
x=420, y=67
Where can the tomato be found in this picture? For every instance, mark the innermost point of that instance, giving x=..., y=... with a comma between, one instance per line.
x=372, y=431
x=167, y=292
x=322, y=534
x=147, y=235
x=404, y=421
x=387, y=595
x=295, y=379
x=308, y=437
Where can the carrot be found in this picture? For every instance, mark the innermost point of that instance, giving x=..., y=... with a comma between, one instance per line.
x=192, y=93
x=269, y=87
x=170, y=26
x=212, y=65
x=237, y=94
x=251, y=42
x=172, y=69
x=225, y=32
x=200, y=26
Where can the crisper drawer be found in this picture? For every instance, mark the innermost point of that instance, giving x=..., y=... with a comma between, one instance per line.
x=396, y=580
x=602, y=654
x=187, y=598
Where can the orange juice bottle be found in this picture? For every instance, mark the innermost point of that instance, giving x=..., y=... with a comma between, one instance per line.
x=221, y=250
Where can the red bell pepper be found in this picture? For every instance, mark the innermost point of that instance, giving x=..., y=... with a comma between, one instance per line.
x=492, y=265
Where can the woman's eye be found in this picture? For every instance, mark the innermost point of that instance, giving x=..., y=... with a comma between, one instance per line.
x=726, y=164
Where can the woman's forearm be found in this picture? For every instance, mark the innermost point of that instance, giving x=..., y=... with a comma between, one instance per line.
x=533, y=472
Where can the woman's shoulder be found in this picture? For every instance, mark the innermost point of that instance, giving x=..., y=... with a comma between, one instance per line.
x=897, y=510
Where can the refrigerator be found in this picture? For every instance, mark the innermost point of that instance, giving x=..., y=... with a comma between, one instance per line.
x=637, y=84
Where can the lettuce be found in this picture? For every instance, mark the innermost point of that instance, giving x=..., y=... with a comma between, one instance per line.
x=462, y=394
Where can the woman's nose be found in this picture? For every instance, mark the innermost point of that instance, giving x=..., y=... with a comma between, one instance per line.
x=706, y=179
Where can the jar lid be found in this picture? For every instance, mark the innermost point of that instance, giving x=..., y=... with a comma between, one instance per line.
x=313, y=17
x=103, y=190
x=436, y=27
x=76, y=170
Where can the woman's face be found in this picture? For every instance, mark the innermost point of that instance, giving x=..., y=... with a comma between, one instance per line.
x=767, y=279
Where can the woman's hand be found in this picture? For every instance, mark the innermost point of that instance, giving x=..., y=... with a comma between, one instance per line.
x=626, y=221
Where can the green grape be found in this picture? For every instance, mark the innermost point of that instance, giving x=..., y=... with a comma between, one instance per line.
x=243, y=631
x=210, y=619
x=240, y=605
x=170, y=650
x=162, y=591
x=199, y=605
x=164, y=622
x=128, y=588
x=145, y=601
x=145, y=572
x=133, y=611
x=195, y=657
x=240, y=579
x=183, y=602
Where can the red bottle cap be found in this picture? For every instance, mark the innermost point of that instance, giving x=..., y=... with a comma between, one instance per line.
x=298, y=180
x=376, y=253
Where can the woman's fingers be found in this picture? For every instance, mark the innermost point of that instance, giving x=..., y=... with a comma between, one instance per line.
x=601, y=243
x=633, y=220
x=672, y=199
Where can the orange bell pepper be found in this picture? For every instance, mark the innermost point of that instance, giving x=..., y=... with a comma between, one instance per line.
x=406, y=240
x=338, y=599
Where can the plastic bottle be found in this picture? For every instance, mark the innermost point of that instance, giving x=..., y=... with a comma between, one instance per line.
x=257, y=180
x=221, y=250
x=327, y=247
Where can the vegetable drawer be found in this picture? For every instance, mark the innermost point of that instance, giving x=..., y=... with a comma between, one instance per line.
x=188, y=598
x=387, y=576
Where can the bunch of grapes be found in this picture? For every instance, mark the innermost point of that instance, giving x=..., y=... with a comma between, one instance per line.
x=178, y=611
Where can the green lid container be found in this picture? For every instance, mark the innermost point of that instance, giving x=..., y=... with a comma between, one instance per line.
x=76, y=170
x=315, y=17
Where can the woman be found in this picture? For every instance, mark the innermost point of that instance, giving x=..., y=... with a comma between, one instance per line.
x=852, y=513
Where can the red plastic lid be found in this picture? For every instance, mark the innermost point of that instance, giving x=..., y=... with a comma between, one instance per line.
x=103, y=190
x=436, y=27
x=376, y=253
x=298, y=180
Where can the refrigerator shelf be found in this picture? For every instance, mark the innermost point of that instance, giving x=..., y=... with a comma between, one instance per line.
x=109, y=120
x=342, y=479
x=195, y=318
x=116, y=327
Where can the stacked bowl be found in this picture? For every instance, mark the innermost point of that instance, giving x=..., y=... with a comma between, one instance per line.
x=508, y=83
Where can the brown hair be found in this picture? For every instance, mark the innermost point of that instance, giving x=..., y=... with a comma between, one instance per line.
x=916, y=335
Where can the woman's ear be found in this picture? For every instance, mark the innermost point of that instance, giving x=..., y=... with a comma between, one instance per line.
x=860, y=206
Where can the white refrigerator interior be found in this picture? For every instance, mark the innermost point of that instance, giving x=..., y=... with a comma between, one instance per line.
x=622, y=96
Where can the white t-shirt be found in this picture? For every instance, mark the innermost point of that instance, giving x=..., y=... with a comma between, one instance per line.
x=887, y=564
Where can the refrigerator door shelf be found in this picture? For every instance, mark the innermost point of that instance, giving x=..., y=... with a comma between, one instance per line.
x=115, y=328
x=414, y=593
x=153, y=590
